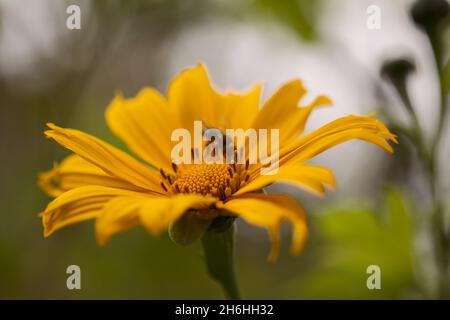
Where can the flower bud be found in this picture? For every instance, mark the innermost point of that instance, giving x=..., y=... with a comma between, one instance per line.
x=429, y=13
x=397, y=70
x=189, y=228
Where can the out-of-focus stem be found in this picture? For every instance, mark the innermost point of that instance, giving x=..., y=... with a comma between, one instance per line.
x=428, y=155
x=415, y=134
x=436, y=45
x=403, y=93
x=441, y=239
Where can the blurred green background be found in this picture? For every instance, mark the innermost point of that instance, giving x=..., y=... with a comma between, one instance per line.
x=51, y=74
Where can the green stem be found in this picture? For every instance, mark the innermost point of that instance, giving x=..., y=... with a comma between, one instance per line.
x=428, y=157
x=442, y=242
x=218, y=247
x=436, y=46
x=403, y=93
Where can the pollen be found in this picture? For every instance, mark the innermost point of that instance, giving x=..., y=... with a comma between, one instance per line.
x=203, y=178
x=217, y=180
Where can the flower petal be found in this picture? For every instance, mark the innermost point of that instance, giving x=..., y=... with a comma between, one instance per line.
x=238, y=111
x=343, y=129
x=281, y=111
x=74, y=172
x=157, y=214
x=193, y=97
x=118, y=215
x=268, y=211
x=145, y=123
x=154, y=213
x=111, y=160
x=78, y=205
x=309, y=177
x=365, y=128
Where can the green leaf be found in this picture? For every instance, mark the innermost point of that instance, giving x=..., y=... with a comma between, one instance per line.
x=446, y=78
x=296, y=14
x=356, y=239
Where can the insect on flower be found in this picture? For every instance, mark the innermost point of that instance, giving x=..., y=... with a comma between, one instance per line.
x=225, y=143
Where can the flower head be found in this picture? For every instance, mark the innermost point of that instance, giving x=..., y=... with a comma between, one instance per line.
x=104, y=183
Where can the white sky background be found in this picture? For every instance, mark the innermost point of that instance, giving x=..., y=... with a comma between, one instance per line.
x=239, y=54
x=27, y=26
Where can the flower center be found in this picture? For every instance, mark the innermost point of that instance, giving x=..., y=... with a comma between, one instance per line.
x=217, y=180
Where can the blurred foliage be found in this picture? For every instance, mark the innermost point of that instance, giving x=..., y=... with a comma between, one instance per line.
x=298, y=15
x=446, y=77
x=355, y=239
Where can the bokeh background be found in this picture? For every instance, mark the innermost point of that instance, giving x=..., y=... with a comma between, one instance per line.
x=377, y=215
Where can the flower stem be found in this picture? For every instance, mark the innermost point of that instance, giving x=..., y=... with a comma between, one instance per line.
x=218, y=247
x=442, y=241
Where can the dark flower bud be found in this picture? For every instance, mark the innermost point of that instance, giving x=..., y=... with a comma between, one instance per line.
x=397, y=70
x=428, y=13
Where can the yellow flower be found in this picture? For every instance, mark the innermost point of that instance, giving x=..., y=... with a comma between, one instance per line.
x=104, y=183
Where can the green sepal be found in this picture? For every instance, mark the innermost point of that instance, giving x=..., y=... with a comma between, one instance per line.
x=189, y=228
